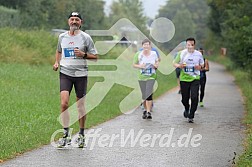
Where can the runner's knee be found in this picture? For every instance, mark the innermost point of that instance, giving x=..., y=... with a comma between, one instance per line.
x=64, y=105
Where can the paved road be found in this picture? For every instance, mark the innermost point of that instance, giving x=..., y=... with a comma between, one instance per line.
x=166, y=140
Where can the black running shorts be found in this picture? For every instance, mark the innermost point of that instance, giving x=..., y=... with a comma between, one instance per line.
x=79, y=83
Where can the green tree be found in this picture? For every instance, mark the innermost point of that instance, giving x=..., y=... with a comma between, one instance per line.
x=129, y=9
x=231, y=22
x=49, y=14
x=215, y=18
x=34, y=14
x=185, y=27
x=9, y=17
x=14, y=4
x=237, y=32
x=195, y=13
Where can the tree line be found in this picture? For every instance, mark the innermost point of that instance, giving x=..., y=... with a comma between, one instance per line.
x=230, y=23
x=47, y=14
x=214, y=23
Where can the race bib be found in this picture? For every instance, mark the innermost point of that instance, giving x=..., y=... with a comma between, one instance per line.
x=148, y=70
x=189, y=69
x=69, y=52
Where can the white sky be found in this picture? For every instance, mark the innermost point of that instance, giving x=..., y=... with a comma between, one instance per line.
x=150, y=6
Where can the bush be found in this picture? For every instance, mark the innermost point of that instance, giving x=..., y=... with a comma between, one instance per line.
x=9, y=17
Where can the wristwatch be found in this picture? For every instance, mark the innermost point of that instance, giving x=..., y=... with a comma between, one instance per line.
x=85, y=56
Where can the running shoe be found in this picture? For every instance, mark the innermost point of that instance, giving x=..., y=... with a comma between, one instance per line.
x=149, y=115
x=186, y=113
x=190, y=120
x=80, y=141
x=144, y=115
x=66, y=140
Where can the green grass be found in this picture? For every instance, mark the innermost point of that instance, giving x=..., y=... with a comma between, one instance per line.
x=243, y=80
x=27, y=47
x=245, y=83
x=30, y=101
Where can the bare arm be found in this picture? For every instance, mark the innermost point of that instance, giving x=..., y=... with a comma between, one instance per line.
x=92, y=56
x=206, y=65
x=156, y=64
x=176, y=61
x=177, y=65
x=141, y=66
x=57, y=60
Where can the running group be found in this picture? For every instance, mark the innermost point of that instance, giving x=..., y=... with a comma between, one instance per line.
x=191, y=68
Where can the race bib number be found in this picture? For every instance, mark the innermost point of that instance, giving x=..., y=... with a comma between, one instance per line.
x=148, y=70
x=69, y=52
x=189, y=69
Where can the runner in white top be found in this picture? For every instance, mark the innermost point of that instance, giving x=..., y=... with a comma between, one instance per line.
x=191, y=62
x=147, y=61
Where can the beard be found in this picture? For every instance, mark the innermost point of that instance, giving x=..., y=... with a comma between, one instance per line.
x=74, y=28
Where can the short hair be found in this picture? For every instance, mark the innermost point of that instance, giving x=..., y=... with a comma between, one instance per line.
x=191, y=39
x=145, y=41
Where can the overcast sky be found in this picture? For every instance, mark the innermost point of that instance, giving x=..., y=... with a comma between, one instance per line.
x=150, y=6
